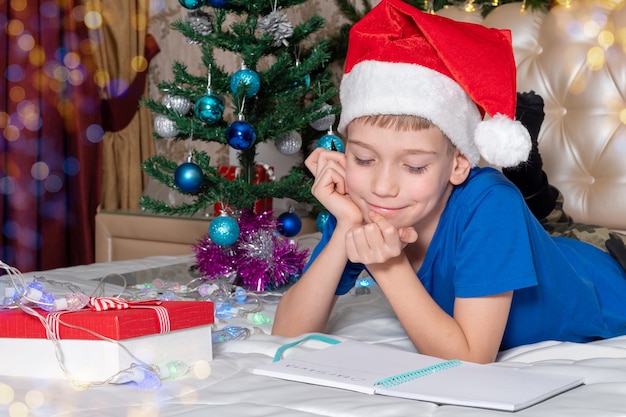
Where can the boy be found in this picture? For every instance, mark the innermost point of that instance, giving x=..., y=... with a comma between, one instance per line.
x=408, y=199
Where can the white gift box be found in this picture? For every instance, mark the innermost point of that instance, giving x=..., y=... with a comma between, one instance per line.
x=101, y=360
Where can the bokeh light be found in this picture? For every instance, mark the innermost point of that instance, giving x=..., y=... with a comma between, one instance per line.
x=93, y=20
x=18, y=5
x=18, y=409
x=76, y=77
x=591, y=29
x=95, y=133
x=595, y=58
x=71, y=166
x=29, y=115
x=11, y=229
x=71, y=60
x=25, y=41
x=101, y=78
x=61, y=73
x=53, y=183
x=11, y=133
x=140, y=21
x=37, y=56
x=15, y=27
x=14, y=73
x=606, y=39
x=6, y=394
x=17, y=93
x=78, y=12
x=40, y=170
x=139, y=63
x=49, y=9
x=34, y=399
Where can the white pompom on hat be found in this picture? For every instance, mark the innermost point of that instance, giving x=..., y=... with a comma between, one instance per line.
x=402, y=61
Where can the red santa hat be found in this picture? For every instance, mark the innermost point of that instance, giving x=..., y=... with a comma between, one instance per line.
x=402, y=61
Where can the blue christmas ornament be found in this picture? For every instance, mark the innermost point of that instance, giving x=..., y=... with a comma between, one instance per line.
x=321, y=219
x=305, y=81
x=191, y=4
x=248, y=78
x=331, y=142
x=289, y=224
x=224, y=230
x=209, y=108
x=188, y=177
x=219, y=4
x=240, y=135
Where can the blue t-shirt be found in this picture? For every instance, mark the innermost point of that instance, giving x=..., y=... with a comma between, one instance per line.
x=488, y=242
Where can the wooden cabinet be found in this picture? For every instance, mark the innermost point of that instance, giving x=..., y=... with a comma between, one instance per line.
x=134, y=233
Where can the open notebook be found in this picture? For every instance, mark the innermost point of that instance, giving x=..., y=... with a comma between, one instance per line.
x=375, y=369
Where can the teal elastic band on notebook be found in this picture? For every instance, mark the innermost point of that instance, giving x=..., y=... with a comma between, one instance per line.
x=400, y=379
x=279, y=352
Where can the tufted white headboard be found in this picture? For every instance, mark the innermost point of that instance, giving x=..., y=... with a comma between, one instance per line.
x=575, y=58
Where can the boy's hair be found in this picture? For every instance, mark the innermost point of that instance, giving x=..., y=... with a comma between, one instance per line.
x=405, y=123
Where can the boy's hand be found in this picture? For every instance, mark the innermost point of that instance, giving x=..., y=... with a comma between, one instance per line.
x=378, y=241
x=329, y=169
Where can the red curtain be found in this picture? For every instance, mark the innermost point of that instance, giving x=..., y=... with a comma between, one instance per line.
x=50, y=135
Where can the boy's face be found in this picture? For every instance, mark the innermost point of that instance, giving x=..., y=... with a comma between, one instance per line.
x=406, y=176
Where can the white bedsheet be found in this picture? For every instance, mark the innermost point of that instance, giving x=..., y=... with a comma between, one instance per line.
x=231, y=390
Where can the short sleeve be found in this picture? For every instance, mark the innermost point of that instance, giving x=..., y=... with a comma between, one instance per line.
x=494, y=252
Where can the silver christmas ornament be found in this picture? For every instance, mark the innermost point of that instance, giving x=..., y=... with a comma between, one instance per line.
x=200, y=22
x=325, y=122
x=289, y=144
x=276, y=24
x=165, y=127
x=177, y=103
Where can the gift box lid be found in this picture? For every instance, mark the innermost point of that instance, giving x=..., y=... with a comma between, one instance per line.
x=138, y=320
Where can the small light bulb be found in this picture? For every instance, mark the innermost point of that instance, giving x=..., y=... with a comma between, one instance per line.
x=174, y=370
x=145, y=378
x=71, y=302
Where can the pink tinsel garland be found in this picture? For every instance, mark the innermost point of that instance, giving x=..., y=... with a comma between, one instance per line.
x=261, y=258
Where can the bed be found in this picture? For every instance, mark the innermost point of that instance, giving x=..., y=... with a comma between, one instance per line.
x=584, y=145
x=230, y=389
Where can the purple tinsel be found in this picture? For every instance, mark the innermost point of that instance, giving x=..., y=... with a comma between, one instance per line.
x=261, y=258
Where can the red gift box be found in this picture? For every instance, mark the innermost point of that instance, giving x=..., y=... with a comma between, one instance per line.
x=261, y=175
x=149, y=332
x=138, y=320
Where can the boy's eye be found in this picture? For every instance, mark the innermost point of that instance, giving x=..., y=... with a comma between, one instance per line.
x=361, y=161
x=415, y=169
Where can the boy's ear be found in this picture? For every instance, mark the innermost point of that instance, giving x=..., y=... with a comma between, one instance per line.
x=460, y=168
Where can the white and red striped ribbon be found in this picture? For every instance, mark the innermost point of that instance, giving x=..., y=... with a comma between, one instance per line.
x=107, y=303
x=53, y=321
x=162, y=315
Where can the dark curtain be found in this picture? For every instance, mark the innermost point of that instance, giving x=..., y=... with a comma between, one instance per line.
x=50, y=135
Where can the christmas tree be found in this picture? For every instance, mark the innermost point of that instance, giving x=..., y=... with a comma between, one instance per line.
x=281, y=89
x=282, y=93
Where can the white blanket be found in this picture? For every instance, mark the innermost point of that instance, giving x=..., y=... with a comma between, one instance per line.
x=231, y=390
